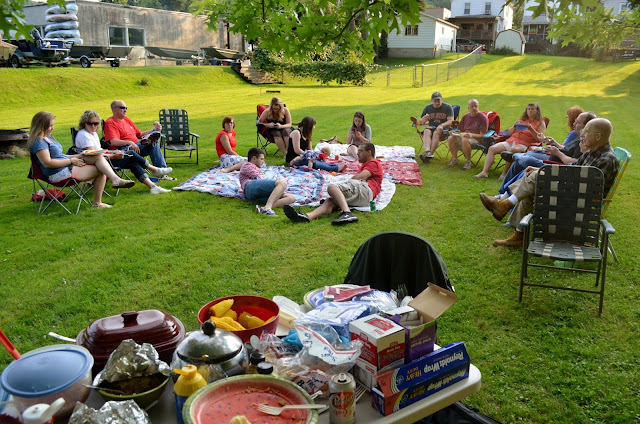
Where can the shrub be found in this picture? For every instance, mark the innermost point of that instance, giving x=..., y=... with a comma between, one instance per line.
x=503, y=51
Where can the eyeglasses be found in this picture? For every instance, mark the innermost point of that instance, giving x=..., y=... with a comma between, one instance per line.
x=93, y=123
x=123, y=107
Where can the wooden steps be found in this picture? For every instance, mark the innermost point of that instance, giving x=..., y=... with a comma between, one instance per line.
x=252, y=74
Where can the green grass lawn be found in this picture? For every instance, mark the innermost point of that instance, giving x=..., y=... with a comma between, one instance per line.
x=549, y=359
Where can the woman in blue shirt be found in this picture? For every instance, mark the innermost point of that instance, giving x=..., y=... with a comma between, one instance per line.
x=57, y=166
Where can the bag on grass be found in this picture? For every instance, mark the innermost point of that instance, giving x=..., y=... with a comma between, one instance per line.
x=51, y=193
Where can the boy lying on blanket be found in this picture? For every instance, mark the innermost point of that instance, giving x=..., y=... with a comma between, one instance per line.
x=257, y=189
x=312, y=159
x=360, y=190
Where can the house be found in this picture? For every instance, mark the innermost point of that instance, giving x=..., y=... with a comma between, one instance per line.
x=481, y=21
x=116, y=25
x=425, y=39
x=512, y=40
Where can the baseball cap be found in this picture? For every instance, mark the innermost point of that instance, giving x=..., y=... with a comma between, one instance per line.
x=436, y=95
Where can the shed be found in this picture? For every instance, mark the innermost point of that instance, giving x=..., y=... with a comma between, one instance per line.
x=423, y=40
x=512, y=40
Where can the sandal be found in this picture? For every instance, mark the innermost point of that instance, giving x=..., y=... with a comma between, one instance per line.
x=123, y=184
x=101, y=206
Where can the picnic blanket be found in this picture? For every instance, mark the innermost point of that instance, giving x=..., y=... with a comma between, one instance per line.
x=308, y=187
x=397, y=162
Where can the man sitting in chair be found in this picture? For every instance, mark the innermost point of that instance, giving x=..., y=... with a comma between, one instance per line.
x=473, y=126
x=597, y=152
x=360, y=190
x=121, y=132
x=439, y=116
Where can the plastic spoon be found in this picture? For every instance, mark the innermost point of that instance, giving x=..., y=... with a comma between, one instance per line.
x=9, y=346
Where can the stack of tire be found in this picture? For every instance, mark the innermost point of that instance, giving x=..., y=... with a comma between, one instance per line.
x=62, y=23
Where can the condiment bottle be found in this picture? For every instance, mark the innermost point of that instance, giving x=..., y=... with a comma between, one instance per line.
x=254, y=360
x=265, y=368
x=42, y=413
x=188, y=383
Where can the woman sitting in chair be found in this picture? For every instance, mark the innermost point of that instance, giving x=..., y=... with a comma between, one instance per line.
x=226, y=143
x=57, y=166
x=88, y=139
x=277, y=119
x=525, y=133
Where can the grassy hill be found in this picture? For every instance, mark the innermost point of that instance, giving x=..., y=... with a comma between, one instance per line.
x=548, y=359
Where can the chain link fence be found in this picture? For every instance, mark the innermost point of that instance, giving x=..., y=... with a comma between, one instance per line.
x=421, y=75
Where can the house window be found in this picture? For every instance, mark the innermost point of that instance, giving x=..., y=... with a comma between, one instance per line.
x=623, y=7
x=411, y=30
x=126, y=36
x=487, y=8
x=467, y=8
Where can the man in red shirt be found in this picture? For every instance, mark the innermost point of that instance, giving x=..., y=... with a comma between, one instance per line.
x=360, y=190
x=121, y=132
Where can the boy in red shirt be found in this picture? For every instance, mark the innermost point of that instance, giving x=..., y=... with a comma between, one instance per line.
x=360, y=190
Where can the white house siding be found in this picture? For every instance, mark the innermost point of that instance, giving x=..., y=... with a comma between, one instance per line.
x=431, y=33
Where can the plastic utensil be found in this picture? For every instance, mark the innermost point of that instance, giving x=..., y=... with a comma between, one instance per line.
x=274, y=410
x=9, y=346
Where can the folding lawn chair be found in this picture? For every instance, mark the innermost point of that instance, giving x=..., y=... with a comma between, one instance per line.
x=624, y=156
x=263, y=138
x=420, y=129
x=176, y=135
x=54, y=193
x=480, y=148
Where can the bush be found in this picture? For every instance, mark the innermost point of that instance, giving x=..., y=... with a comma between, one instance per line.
x=502, y=51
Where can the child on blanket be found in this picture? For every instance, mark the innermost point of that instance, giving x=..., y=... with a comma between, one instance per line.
x=311, y=157
x=257, y=189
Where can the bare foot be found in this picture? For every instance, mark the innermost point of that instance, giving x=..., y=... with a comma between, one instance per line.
x=481, y=175
x=224, y=170
x=101, y=205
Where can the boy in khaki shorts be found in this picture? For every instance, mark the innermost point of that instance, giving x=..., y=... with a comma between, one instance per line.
x=360, y=190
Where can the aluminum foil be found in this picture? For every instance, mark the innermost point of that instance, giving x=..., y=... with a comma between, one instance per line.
x=131, y=360
x=124, y=412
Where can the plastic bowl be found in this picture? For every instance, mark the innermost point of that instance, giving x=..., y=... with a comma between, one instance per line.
x=143, y=399
x=49, y=373
x=258, y=306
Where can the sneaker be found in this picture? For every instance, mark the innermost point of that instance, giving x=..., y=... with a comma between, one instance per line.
x=159, y=190
x=428, y=154
x=467, y=165
x=161, y=172
x=295, y=215
x=345, y=218
x=424, y=157
x=514, y=240
x=453, y=162
x=264, y=211
x=507, y=156
x=123, y=184
x=498, y=207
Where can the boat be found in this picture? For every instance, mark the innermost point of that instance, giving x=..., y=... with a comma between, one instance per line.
x=220, y=53
x=174, y=54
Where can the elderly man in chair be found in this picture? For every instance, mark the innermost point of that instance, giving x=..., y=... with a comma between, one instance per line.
x=597, y=152
x=121, y=132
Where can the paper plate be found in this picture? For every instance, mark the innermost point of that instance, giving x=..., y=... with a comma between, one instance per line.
x=219, y=402
x=92, y=152
x=315, y=297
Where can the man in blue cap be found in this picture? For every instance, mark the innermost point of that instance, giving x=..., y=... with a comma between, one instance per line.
x=438, y=116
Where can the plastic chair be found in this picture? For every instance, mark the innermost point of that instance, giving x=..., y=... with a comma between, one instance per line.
x=391, y=259
x=51, y=195
x=176, y=135
x=624, y=156
x=566, y=224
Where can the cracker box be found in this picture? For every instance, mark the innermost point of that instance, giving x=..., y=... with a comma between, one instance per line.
x=431, y=366
x=383, y=341
x=430, y=304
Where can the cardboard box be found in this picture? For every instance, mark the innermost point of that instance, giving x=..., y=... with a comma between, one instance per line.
x=366, y=374
x=431, y=366
x=383, y=341
x=389, y=404
x=430, y=304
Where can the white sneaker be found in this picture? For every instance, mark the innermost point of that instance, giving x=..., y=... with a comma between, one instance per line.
x=161, y=172
x=159, y=190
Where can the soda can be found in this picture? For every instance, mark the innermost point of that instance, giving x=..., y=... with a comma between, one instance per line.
x=342, y=405
x=372, y=205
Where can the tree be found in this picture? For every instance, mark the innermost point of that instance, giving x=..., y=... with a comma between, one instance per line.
x=12, y=18
x=307, y=28
x=597, y=28
x=176, y=5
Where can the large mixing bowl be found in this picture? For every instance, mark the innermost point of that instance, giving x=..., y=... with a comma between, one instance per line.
x=48, y=373
x=258, y=306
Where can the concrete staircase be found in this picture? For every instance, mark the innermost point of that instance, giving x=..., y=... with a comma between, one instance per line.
x=253, y=75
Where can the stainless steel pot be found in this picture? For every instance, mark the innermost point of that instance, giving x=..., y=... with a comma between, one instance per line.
x=217, y=353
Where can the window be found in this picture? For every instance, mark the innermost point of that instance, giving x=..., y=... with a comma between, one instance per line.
x=487, y=8
x=136, y=37
x=623, y=7
x=411, y=30
x=467, y=8
x=126, y=36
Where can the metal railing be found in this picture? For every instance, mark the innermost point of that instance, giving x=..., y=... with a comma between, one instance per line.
x=421, y=75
